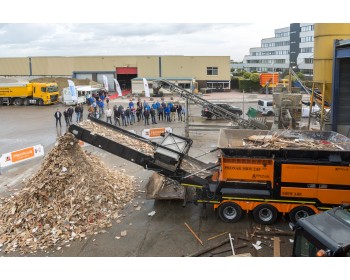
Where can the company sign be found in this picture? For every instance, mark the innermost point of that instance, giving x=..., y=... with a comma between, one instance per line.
x=21, y=155
x=156, y=132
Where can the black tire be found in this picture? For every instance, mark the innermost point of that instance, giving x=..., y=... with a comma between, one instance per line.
x=40, y=102
x=269, y=114
x=230, y=212
x=18, y=102
x=300, y=212
x=265, y=214
x=1, y=102
x=26, y=102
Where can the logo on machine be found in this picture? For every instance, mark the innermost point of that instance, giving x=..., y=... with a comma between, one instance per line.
x=260, y=176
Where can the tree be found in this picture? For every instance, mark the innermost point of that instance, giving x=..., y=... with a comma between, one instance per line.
x=255, y=77
x=301, y=76
x=246, y=75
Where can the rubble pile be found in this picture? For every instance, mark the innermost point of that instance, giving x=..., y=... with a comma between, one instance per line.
x=73, y=195
x=280, y=142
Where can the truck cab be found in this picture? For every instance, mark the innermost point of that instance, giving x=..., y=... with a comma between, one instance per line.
x=323, y=235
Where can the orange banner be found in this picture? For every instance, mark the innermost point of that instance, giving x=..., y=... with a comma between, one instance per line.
x=155, y=132
x=22, y=154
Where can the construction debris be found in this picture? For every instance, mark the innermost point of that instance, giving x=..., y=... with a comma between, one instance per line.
x=276, y=141
x=73, y=195
x=123, y=139
x=274, y=233
x=152, y=213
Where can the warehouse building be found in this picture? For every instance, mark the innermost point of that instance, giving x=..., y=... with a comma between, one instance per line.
x=208, y=72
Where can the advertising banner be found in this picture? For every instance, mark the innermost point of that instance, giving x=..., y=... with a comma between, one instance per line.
x=21, y=155
x=155, y=132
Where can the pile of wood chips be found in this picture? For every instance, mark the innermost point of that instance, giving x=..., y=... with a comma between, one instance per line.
x=280, y=142
x=123, y=139
x=73, y=195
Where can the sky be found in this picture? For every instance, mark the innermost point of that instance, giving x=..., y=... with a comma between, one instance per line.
x=80, y=39
x=217, y=28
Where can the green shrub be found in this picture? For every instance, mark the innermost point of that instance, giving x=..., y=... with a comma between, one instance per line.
x=248, y=85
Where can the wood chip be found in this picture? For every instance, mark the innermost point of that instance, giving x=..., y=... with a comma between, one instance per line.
x=72, y=196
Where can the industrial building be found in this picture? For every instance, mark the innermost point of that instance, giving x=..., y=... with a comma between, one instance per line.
x=292, y=46
x=210, y=72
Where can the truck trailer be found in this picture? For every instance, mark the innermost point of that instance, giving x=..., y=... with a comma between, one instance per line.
x=28, y=93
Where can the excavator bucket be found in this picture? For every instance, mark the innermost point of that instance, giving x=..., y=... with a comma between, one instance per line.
x=160, y=187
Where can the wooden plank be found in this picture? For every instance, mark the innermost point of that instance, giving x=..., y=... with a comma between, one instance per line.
x=276, y=247
x=216, y=236
x=195, y=235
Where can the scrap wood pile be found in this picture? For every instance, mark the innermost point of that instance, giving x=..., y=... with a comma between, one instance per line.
x=118, y=137
x=135, y=144
x=279, y=142
x=73, y=195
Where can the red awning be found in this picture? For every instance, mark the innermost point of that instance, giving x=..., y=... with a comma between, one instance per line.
x=126, y=70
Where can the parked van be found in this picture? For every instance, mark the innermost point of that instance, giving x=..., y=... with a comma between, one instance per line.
x=265, y=107
x=83, y=92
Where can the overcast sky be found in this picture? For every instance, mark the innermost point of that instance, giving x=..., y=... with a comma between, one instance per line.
x=232, y=40
x=165, y=32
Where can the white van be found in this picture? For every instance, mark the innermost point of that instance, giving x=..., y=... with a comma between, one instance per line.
x=83, y=92
x=265, y=107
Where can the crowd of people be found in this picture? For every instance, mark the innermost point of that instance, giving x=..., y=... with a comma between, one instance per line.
x=145, y=112
x=149, y=113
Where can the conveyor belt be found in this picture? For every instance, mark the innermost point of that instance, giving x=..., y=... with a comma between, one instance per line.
x=142, y=151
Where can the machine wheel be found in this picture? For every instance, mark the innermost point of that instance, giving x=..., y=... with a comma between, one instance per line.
x=300, y=212
x=1, y=102
x=269, y=113
x=18, y=101
x=265, y=214
x=40, y=102
x=230, y=212
x=26, y=102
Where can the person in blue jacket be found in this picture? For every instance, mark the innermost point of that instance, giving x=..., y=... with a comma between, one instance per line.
x=167, y=113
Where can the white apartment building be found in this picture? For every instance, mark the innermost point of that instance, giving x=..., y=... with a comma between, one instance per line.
x=291, y=46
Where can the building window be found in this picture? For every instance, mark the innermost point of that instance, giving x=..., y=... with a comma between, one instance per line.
x=282, y=43
x=218, y=85
x=307, y=71
x=212, y=71
x=307, y=28
x=184, y=85
x=307, y=50
x=282, y=34
x=307, y=39
x=309, y=60
x=280, y=61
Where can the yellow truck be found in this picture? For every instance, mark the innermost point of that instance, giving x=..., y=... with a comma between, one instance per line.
x=28, y=93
